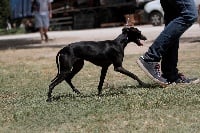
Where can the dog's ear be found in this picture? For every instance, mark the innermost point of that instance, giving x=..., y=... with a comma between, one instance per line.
x=125, y=30
x=134, y=29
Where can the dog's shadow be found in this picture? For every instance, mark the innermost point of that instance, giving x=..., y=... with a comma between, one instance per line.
x=109, y=92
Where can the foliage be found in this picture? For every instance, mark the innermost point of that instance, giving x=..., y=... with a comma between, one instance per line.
x=4, y=12
x=12, y=31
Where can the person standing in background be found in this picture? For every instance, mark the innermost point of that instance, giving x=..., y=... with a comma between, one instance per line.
x=42, y=11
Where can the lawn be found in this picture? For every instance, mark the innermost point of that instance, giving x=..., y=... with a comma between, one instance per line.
x=12, y=31
x=123, y=107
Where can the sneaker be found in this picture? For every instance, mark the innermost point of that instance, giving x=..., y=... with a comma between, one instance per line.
x=183, y=80
x=152, y=69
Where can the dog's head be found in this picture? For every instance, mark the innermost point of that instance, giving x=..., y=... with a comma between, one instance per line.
x=134, y=35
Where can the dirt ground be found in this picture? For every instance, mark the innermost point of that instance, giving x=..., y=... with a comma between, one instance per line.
x=25, y=45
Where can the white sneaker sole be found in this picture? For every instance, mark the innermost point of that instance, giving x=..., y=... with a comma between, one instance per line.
x=150, y=76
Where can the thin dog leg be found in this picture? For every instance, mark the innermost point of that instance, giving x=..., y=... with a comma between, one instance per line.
x=58, y=80
x=102, y=77
x=124, y=71
x=76, y=68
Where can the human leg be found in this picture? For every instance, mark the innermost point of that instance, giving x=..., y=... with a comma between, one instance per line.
x=39, y=24
x=173, y=31
x=45, y=34
x=187, y=15
x=170, y=58
x=169, y=67
x=41, y=34
x=45, y=21
x=169, y=62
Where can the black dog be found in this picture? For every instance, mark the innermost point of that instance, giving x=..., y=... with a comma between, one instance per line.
x=70, y=59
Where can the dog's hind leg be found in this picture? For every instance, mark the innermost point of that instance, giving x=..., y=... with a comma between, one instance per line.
x=64, y=66
x=77, y=66
x=102, y=77
x=58, y=80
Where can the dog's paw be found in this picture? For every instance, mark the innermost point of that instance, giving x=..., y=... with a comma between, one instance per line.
x=76, y=91
x=49, y=100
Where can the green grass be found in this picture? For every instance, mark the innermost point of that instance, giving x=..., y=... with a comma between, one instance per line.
x=12, y=31
x=124, y=106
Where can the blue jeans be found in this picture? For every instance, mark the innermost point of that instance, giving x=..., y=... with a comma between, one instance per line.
x=179, y=16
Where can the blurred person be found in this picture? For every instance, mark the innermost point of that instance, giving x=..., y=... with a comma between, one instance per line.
x=8, y=25
x=42, y=11
x=179, y=15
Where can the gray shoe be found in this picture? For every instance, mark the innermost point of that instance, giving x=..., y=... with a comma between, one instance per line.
x=184, y=80
x=152, y=69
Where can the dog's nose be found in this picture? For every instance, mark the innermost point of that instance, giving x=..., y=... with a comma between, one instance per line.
x=143, y=37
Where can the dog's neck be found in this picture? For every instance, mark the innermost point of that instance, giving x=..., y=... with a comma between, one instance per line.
x=122, y=39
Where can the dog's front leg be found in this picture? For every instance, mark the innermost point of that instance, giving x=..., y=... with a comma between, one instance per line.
x=102, y=77
x=124, y=71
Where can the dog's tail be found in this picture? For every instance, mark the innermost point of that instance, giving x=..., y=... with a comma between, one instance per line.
x=58, y=66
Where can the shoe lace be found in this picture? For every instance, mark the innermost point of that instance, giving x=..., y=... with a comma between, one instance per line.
x=157, y=70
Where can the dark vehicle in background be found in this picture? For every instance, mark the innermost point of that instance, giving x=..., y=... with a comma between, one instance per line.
x=82, y=14
x=79, y=14
x=86, y=14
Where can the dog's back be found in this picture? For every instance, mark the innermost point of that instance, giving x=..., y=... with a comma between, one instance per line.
x=99, y=53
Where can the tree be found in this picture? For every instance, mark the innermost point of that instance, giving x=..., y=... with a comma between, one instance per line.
x=4, y=12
